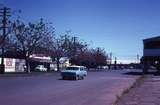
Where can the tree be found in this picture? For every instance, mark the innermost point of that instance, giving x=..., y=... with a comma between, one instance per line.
x=66, y=46
x=31, y=36
x=100, y=57
x=91, y=58
x=72, y=45
x=57, y=51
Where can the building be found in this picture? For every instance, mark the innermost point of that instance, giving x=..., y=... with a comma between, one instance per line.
x=151, y=53
x=41, y=59
x=14, y=64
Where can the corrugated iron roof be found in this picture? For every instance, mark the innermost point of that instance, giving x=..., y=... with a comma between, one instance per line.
x=41, y=60
x=157, y=38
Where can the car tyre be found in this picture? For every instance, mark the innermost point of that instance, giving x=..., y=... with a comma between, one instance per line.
x=77, y=77
x=63, y=78
x=82, y=77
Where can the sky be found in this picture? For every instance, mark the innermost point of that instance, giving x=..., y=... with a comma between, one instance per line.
x=118, y=26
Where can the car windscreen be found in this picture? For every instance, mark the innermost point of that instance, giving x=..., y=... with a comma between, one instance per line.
x=72, y=68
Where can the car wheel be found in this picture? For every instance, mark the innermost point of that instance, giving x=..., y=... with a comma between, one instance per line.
x=77, y=77
x=63, y=78
x=82, y=77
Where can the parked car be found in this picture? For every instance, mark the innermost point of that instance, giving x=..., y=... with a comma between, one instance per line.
x=74, y=72
x=40, y=68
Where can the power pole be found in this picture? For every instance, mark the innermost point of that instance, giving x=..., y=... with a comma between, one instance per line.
x=110, y=60
x=137, y=58
x=74, y=45
x=115, y=63
x=4, y=13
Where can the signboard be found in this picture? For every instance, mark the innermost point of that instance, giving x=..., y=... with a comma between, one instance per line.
x=9, y=64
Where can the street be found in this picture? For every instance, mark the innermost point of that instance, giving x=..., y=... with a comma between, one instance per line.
x=98, y=88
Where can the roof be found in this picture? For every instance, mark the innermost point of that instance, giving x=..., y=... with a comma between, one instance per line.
x=76, y=66
x=157, y=38
x=41, y=60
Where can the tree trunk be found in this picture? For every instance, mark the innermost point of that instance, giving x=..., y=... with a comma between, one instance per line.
x=48, y=67
x=57, y=61
x=27, y=65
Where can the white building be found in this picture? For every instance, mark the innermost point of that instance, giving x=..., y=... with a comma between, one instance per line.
x=14, y=65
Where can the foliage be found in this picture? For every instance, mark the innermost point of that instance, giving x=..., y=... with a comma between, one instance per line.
x=31, y=36
x=90, y=58
x=25, y=39
x=66, y=46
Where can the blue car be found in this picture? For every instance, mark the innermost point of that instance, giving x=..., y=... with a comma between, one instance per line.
x=74, y=72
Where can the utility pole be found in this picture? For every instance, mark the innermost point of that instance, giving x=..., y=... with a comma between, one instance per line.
x=115, y=63
x=74, y=45
x=4, y=13
x=110, y=60
x=137, y=58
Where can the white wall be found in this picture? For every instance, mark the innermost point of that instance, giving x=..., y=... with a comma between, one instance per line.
x=9, y=64
x=13, y=65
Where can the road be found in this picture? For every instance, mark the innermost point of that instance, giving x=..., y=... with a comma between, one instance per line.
x=98, y=88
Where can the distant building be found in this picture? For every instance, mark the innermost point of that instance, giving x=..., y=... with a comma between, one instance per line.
x=151, y=53
x=14, y=64
x=41, y=59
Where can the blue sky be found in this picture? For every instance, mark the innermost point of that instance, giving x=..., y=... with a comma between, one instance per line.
x=116, y=25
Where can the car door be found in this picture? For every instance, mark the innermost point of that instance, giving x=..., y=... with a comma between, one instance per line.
x=82, y=71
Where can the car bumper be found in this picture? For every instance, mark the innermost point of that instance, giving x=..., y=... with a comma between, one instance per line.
x=71, y=75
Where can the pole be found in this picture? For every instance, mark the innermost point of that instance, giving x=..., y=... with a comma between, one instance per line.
x=115, y=63
x=110, y=60
x=5, y=13
x=74, y=44
x=137, y=58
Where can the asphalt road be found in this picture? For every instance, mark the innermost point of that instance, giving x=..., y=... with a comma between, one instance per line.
x=98, y=88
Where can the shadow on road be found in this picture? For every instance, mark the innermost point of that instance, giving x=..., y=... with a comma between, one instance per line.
x=141, y=73
x=66, y=79
x=133, y=73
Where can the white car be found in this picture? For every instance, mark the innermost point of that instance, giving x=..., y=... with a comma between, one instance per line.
x=75, y=72
x=40, y=68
